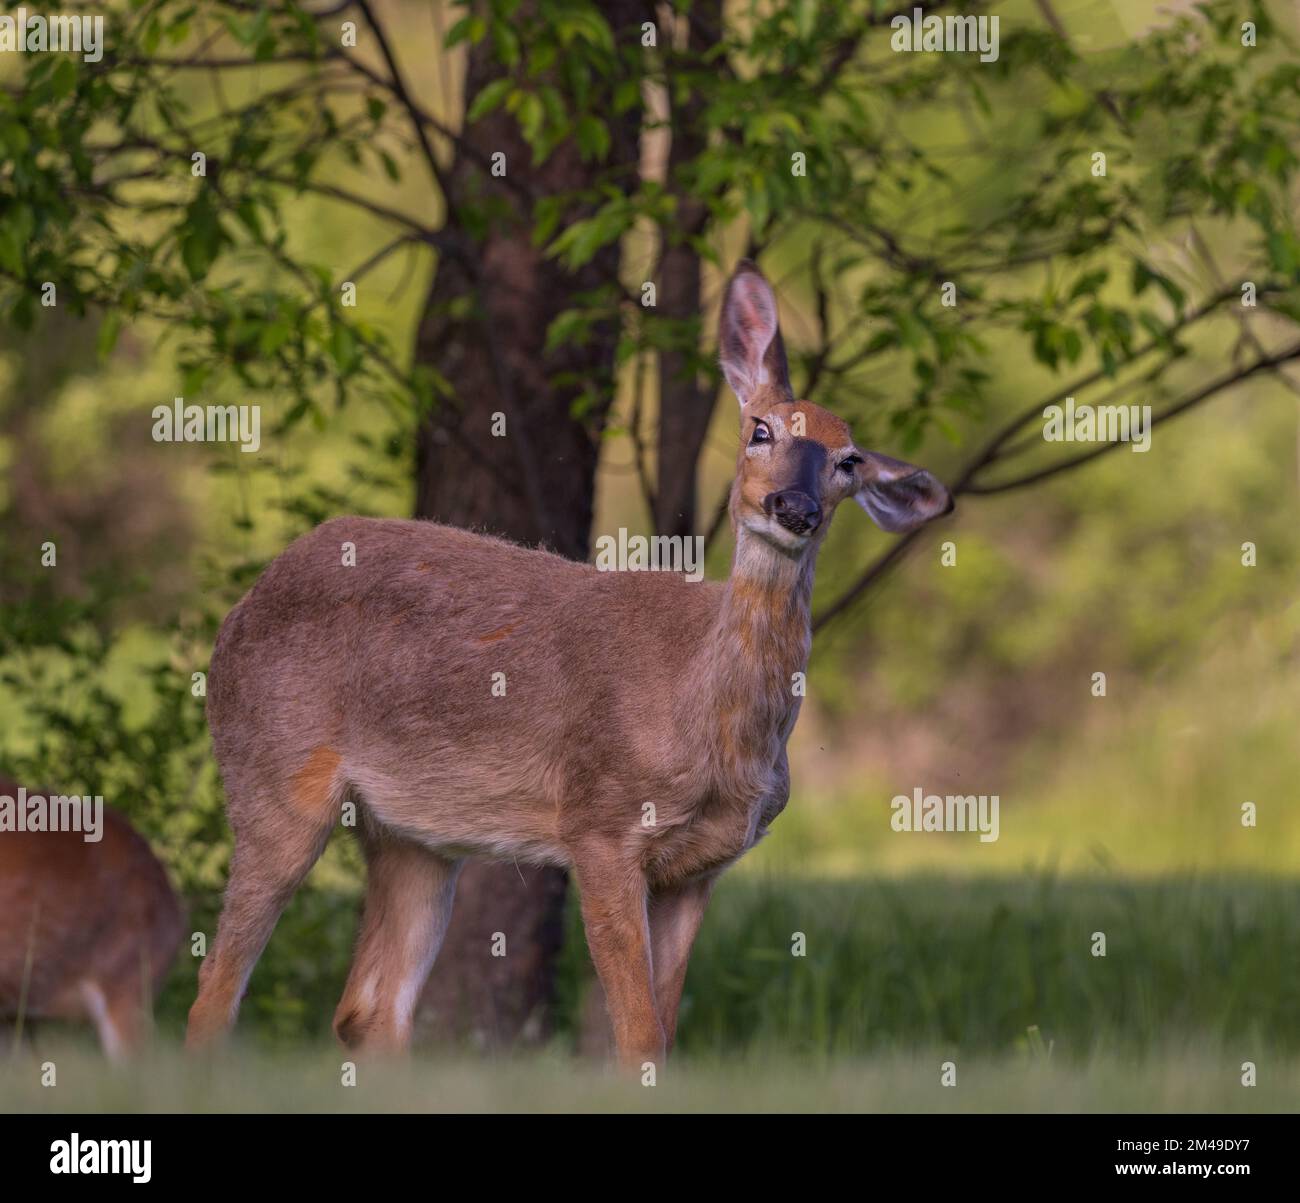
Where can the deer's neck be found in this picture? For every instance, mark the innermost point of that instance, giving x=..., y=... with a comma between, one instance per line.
x=759, y=641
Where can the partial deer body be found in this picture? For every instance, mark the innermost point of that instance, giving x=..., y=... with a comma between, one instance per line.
x=477, y=698
x=87, y=930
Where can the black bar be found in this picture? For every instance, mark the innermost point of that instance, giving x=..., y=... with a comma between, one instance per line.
x=376, y=1152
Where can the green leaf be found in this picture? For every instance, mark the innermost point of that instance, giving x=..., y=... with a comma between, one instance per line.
x=201, y=237
x=627, y=94
x=573, y=327
x=488, y=99
x=582, y=239
x=64, y=80
x=910, y=329
x=1089, y=282
x=505, y=43
x=343, y=348
x=273, y=336
x=467, y=29
x=247, y=213
x=530, y=115
x=1144, y=275
x=109, y=329
x=11, y=249
x=1284, y=251
x=16, y=139
x=592, y=137
x=194, y=378
x=585, y=24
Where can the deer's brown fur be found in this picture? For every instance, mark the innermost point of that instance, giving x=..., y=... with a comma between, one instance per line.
x=640, y=740
x=88, y=930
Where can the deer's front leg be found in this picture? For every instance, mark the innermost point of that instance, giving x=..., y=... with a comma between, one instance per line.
x=618, y=934
x=675, y=916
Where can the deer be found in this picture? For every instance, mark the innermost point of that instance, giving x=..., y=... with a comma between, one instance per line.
x=88, y=930
x=637, y=737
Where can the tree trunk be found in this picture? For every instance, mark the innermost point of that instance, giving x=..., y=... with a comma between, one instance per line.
x=684, y=406
x=484, y=329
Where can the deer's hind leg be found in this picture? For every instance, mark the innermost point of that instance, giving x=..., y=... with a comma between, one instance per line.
x=409, y=895
x=120, y=1017
x=279, y=836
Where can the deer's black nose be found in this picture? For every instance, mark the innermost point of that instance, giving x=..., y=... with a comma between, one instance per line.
x=794, y=510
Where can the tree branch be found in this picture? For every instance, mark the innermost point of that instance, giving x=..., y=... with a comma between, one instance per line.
x=398, y=86
x=1268, y=363
x=638, y=443
x=966, y=483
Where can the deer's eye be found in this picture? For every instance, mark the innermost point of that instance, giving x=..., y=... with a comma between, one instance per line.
x=849, y=463
x=761, y=434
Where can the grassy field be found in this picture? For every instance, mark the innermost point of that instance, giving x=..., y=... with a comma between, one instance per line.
x=923, y=961
x=899, y=975
x=1175, y=1080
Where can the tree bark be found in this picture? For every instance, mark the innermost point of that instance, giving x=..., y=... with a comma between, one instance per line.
x=685, y=405
x=484, y=329
x=685, y=408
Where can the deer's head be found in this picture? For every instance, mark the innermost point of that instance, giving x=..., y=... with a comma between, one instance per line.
x=798, y=461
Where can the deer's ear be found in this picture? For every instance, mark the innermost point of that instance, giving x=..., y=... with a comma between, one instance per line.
x=899, y=496
x=749, y=337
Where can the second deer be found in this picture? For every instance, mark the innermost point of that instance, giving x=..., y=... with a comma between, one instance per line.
x=88, y=930
x=638, y=735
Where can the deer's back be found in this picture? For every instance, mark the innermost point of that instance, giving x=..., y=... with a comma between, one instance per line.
x=447, y=664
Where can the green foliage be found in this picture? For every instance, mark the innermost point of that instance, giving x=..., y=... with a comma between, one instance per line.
x=145, y=749
x=105, y=200
x=1193, y=125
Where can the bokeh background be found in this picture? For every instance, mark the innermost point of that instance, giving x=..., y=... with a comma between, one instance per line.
x=627, y=164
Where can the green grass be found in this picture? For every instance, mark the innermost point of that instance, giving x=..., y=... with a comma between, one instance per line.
x=958, y=966
x=993, y=974
x=1178, y=1079
x=972, y=965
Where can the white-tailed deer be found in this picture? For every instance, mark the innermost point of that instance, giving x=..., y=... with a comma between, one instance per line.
x=87, y=929
x=477, y=698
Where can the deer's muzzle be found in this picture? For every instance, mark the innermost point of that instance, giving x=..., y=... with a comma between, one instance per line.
x=794, y=510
